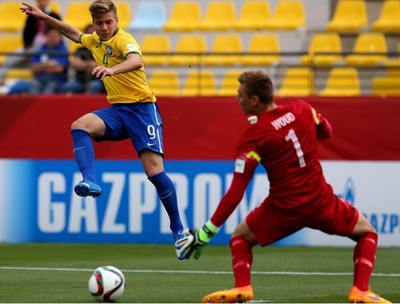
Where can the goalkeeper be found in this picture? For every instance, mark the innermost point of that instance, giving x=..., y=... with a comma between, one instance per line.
x=283, y=138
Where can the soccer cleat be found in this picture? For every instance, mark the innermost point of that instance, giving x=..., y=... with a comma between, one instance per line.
x=88, y=188
x=234, y=295
x=358, y=296
x=183, y=240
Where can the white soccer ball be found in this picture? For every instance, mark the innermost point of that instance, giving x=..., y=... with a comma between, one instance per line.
x=107, y=283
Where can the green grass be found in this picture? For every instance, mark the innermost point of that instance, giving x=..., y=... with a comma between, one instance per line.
x=56, y=273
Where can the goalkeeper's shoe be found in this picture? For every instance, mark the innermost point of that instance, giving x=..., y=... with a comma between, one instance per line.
x=235, y=295
x=182, y=240
x=88, y=188
x=358, y=296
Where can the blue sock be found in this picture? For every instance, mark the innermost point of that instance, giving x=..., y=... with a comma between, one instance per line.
x=84, y=153
x=166, y=192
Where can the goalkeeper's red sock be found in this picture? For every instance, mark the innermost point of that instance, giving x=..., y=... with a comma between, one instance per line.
x=242, y=259
x=364, y=259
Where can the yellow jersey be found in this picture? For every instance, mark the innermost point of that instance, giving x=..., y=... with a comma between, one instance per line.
x=126, y=87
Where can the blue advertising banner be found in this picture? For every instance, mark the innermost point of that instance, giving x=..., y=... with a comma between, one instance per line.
x=42, y=206
x=38, y=203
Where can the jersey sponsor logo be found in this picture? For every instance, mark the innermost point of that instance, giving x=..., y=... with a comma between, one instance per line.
x=283, y=121
x=239, y=165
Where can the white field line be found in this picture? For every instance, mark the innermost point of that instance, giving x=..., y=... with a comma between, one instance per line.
x=292, y=273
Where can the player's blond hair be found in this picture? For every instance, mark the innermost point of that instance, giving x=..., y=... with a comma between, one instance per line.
x=100, y=7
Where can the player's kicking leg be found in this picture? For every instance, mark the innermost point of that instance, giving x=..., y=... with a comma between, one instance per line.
x=84, y=156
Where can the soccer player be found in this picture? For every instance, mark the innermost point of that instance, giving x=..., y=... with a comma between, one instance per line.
x=133, y=113
x=283, y=138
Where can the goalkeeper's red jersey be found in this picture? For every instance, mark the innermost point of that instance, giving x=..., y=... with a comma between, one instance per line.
x=284, y=141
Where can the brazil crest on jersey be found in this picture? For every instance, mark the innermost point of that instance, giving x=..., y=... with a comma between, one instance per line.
x=124, y=87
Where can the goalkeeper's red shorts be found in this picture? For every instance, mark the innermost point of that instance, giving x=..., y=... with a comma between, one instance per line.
x=329, y=213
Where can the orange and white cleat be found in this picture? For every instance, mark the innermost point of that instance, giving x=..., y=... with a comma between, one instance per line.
x=358, y=296
x=234, y=295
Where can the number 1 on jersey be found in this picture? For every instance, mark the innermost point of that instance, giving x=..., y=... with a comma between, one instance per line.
x=292, y=136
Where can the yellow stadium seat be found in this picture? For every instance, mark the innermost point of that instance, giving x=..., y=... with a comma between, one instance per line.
x=219, y=16
x=55, y=7
x=230, y=83
x=322, y=49
x=199, y=83
x=349, y=16
x=164, y=82
x=369, y=49
x=342, y=81
x=289, y=15
x=190, y=46
x=77, y=14
x=185, y=16
x=12, y=19
x=124, y=14
x=262, y=43
x=20, y=74
x=297, y=82
x=393, y=64
x=253, y=15
x=226, y=50
x=9, y=44
x=386, y=86
x=154, y=48
x=389, y=17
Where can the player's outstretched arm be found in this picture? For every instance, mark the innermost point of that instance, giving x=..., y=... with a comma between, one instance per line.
x=67, y=30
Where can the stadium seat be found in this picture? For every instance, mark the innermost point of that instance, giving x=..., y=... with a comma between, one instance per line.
x=164, y=83
x=77, y=14
x=190, y=46
x=342, y=81
x=322, y=48
x=185, y=16
x=199, y=83
x=262, y=43
x=386, y=86
x=230, y=83
x=297, y=82
x=389, y=17
x=289, y=15
x=158, y=44
x=253, y=15
x=19, y=74
x=226, y=50
x=349, y=16
x=219, y=16
x=369, y=49
x=12, y=20
x=124, y=14
x=393, y=64
x=55, y=7
x=149, y=16
x=9, y=44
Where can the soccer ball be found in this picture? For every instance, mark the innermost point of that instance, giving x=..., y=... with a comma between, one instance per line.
x=107, y=283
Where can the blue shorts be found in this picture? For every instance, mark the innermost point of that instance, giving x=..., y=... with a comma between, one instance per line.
x=141, y=122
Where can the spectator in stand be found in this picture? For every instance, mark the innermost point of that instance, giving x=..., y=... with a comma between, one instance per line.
x=83, y=63
x=33, y=38
x=49, y=65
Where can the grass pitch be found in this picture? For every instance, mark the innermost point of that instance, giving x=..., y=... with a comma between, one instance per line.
x=58, y=273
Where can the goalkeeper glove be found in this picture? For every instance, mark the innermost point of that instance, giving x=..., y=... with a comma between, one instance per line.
x=201, y=237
